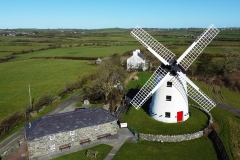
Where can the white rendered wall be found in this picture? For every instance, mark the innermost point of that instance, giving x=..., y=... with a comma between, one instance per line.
x=159, y=106
x=134, y=62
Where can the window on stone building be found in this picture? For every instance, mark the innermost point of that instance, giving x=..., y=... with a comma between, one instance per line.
x=96, y=127
x=72, y=133
x=52, y=146
x=51, y=137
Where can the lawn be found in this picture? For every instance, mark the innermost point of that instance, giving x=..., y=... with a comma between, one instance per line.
x=142, y=79
x=197, y=149
x=42, y=75
x=140, y=121
x=102, y=149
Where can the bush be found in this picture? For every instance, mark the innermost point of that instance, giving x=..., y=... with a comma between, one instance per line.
x=8, y=122
x=45, y=99
x=232, y=80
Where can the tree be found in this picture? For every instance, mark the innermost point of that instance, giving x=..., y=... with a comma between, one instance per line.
x=109, y=73
x=204, y=65
x=229, y=63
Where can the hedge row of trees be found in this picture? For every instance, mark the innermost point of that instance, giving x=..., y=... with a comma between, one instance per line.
x=225, y=69
x=9, y=122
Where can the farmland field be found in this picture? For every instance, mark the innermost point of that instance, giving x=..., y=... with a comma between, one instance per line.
x=43, y=76
x=83, y=51
x=17, y=69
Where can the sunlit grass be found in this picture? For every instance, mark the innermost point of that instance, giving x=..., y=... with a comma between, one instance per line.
x=140, y=121
x=102, y=150
x=42, y=75
x=83, y=51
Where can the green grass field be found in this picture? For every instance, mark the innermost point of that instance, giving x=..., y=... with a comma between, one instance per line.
x=43, y=76
x=102, y=149
x=140, y=121
x=83, y=51
x=142, y=79
x=229, y=97
x=198, y=149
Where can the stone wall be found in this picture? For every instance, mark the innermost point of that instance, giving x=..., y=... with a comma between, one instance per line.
x=172, y=138
x=41, y=146
x=178, y=138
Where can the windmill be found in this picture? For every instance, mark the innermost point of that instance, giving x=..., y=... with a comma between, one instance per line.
x=169, y=86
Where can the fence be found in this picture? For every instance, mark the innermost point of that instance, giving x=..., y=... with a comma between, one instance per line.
x=134, y=132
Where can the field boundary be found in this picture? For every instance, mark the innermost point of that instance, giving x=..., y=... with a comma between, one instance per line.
x=66, y=57
x=218, y=144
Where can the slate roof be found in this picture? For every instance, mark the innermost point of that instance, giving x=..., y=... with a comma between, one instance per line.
x=141, y=56
x=67, y=121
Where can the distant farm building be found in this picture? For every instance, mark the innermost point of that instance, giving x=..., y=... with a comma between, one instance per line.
x=55, y=132
x=98, y=61
x=137, y=61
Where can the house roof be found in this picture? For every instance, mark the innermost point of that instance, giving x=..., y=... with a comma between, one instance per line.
x=67, y=121
x=140, y=55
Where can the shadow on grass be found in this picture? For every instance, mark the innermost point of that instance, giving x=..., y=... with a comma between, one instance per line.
x=131, y=94
x=219, y=148
x=237, y=117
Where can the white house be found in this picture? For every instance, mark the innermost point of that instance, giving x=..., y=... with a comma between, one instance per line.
x=137, y=61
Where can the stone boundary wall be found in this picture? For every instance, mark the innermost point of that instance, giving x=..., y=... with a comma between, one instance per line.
x=178, y=138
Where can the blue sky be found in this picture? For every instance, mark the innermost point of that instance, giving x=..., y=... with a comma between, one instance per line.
x=94, y=14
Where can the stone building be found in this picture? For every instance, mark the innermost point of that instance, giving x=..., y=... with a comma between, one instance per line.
x=137, y=61
x=45, y=135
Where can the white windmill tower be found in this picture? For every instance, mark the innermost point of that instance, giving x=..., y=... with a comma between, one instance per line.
x=169, y=86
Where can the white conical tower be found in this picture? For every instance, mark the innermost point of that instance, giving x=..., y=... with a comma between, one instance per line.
x=169, y=104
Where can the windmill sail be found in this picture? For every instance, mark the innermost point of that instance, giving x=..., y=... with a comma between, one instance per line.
x=153, y=83
x=174, y=73
x=198, y=95
x=187, y=58
x=156, y=48
x=180, y=84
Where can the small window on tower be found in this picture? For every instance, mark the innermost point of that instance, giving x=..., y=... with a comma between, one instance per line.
x=169, y=84
x=168, y=98
x=167, y=114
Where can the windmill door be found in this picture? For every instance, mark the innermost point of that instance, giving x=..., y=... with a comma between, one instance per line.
x=179, y=116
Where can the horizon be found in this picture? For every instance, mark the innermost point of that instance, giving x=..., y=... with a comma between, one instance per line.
x=170, y=28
